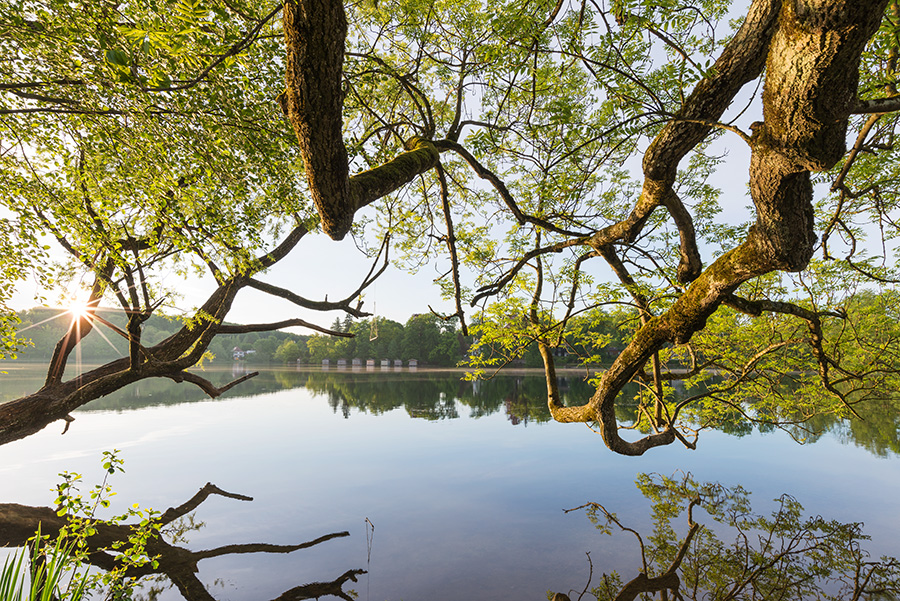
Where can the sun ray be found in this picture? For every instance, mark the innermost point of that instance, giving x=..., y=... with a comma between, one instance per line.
x=79, y=310
x=42, y=322
x=108, y=341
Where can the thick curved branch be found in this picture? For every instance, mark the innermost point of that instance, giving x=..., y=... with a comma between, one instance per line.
x=741, y=61
x=690, y=264
x=798, y=135
x=368, y=186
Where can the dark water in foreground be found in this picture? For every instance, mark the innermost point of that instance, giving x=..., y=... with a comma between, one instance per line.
x=465, y=486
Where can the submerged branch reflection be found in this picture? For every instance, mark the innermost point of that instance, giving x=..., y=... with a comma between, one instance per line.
x=107, y=546
x=707, y=543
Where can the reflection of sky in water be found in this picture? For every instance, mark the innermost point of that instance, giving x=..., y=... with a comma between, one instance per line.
x=463, y=508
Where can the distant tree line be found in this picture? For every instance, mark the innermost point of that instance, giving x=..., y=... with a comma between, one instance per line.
x=43, y=327
x=427, y=338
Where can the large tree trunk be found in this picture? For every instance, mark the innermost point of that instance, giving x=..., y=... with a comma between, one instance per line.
x=314, y=37
x=314, y=33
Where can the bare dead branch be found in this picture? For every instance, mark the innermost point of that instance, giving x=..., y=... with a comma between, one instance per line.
x=207, y=386
x=278, y=325
x=173, y=513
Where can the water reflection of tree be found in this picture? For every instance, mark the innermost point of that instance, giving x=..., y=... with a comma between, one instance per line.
x=878, y=431
x=524, y=400
x=426, y=395
x=150, y=393
x=521, y=396
x=435, y=395
x=780, y=556
x=18, y=523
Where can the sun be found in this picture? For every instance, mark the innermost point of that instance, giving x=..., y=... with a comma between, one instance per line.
x=78, y=309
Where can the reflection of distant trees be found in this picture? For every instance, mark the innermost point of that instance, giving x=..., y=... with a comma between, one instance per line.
x=428, y=395
x=155, y=392
x=435, y=395
x=878, y=431
x=522, y=396
x=527, y=401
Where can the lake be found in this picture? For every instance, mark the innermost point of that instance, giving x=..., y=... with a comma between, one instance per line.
x=465, y=483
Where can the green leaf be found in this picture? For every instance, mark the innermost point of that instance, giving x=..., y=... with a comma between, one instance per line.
x=116, y=57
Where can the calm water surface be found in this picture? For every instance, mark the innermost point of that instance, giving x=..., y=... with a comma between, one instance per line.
x=465, y=484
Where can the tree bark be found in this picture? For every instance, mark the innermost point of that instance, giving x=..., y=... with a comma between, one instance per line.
x=314, y=34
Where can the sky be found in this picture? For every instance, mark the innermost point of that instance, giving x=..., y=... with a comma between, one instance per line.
x=316, y=268
x=321, y=267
